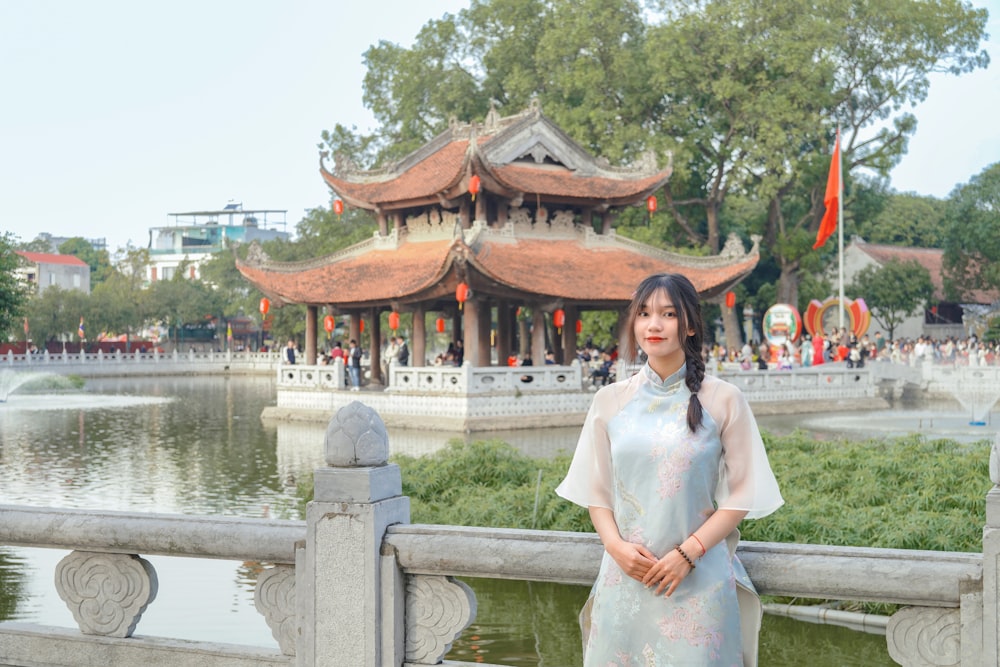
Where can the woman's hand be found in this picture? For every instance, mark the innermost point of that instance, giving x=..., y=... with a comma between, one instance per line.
x=635, y=560
x=667, y=573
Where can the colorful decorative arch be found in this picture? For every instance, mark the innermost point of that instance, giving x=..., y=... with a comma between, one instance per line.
x=857, y=311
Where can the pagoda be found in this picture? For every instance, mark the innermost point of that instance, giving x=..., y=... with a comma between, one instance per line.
x=484, y=221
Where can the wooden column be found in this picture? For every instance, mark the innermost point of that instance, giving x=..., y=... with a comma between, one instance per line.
x=481, y=206
x=383, y=224
x=537, y=336
x=456, y=325
x=557, y=340
x=355, y=329
x=484, y=353
x=505, y=338
x=397, y=221
x=569, y=335
x=418, y=355
x=523, y=338
x=375, y=347
x=502, y=211
x=471, y=339
x=465, y=213
x=311, y=318
x=607, y=220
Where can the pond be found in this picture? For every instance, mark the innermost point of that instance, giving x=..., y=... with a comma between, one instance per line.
x=196, y=445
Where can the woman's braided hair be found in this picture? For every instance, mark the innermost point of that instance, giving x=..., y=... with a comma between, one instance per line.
x=684, y=297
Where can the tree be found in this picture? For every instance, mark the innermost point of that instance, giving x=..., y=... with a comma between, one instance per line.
x=904, y=219
x=54, y=315
x=121, y=303
x=13, y=294
x=972, y=239
x=893, y=291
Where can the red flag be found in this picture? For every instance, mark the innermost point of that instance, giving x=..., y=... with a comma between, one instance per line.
x=832, y=199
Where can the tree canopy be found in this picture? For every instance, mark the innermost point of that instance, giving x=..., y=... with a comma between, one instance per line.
x=13, y=295
x=972, y=239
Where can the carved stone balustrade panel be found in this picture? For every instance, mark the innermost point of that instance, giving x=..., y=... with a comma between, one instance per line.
x=274, y=598
x=106, y=593
x=437, y=610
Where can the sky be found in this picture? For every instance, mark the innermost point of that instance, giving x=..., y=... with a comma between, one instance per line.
x=116, y=113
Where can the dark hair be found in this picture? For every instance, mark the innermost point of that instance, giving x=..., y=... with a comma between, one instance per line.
x=684, y=297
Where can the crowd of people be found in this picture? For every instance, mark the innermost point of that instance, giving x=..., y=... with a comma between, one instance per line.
x=847, y=348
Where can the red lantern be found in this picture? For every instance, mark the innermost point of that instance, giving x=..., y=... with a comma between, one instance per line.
x=265, y=306
x=474, y=186
x=338, y=206
x=461, y=294
x=730, y=299
x=362, y=326
x=579, y=326
x=329, y=323
x=393, y=320
x=558, y=319
x=651, y=203
x=439, y=324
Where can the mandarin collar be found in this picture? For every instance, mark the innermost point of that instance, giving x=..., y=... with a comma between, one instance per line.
x=672, y=382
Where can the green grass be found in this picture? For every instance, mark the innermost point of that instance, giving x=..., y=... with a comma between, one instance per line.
x=905, y=493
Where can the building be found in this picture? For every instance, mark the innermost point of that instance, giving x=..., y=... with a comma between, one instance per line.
x=42, y=270
x=482, y=221
x=943, y=318
x=196, y=236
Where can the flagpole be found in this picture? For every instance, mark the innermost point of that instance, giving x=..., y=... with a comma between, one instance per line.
x=840, y=226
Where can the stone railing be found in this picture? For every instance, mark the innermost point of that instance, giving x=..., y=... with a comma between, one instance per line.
x=154, y=363
x=468, y=379
x=825, y=382
x=356, y=584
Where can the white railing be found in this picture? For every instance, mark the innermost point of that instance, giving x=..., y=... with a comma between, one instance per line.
x=101, y=363
x=467, y=379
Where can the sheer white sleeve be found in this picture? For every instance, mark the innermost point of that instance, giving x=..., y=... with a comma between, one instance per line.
x=589, y=479
x=746, y=481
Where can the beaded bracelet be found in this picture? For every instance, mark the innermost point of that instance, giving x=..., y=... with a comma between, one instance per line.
x=703, y=550
x=685, y=556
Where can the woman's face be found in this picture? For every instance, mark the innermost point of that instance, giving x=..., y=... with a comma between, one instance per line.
x=656, y=332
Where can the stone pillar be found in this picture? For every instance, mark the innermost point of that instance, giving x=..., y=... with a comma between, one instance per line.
x=470, y=322
x=340, y=586
x=311, y=321
x=537, y=336
x=418, y=355
x=991, y=565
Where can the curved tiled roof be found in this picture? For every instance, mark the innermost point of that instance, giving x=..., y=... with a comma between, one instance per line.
x=522, y=155
x=440, y=171
x=603, y=273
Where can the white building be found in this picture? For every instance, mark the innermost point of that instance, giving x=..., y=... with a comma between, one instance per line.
x=196, y=236
x=42, y=270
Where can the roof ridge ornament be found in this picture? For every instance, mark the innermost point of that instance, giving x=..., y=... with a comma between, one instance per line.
x=492, y=122
x=535, y=106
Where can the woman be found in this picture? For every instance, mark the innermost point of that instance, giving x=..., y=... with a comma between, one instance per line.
x=669, y=462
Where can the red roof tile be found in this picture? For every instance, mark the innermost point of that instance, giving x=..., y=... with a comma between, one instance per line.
x=50, y=258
